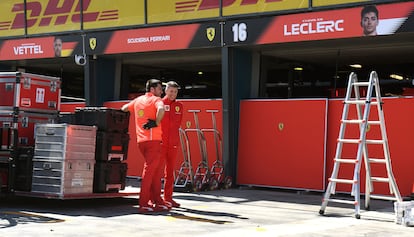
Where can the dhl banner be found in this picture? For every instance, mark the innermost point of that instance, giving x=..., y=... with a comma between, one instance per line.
x=344, y=23
x=176, y=10
x=11, y=24
x=44, y=47
x=47, y=16
x=236, y=7
x=111, y=13
x=155, y=39
x=319, y=3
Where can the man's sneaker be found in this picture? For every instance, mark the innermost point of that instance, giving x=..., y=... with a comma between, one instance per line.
x=172, y=204
x=161, y=207
x=145, y=209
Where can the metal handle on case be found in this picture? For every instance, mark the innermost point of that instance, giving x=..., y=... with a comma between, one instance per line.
x=50, y=131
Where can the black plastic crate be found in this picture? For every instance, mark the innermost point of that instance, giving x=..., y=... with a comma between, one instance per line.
x=111, y=146
x=68, y=118
x=109, y=176
x=106, y=119
x=23, y=169
x=16, y=169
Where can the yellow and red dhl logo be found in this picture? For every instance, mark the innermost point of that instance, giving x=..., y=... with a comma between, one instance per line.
x=199, y=5
x=55, y=13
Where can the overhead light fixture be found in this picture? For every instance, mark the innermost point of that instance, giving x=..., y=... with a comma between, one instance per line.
x=298, y=68
x=356, y=65
x=200, y=73
x=397, y=77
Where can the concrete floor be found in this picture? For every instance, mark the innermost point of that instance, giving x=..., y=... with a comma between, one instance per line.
x=234, y=212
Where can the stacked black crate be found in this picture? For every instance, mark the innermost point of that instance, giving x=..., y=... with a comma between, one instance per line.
x=25, y=100
x=111, y=146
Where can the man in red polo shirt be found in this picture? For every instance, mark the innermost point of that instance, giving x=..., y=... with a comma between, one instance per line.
x=148, y=110
x=170, y=139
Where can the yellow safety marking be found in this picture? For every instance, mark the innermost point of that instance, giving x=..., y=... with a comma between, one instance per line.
x=261, y=229
x=199, y=219
x=170, y=218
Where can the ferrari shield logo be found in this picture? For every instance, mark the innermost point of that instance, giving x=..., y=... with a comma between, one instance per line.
x=280, y=126
x=92, y=43
x=211, y=33
x=177, y=108
x=188, y=124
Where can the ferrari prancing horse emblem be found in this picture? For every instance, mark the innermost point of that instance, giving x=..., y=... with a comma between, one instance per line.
x=211, y=33
x=281, y=126
x=92, y=43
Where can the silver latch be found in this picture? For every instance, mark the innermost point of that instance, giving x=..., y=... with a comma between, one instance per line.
x=51, y=104
x=53, y=86
x=26, y=82
x=9, y=86
x=25, y=122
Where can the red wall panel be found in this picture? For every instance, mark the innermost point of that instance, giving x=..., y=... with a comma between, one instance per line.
x=399, y=114
x=281, y=143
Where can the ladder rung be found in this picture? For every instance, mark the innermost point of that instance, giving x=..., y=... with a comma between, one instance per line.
x=374, y=141
x=360, y=102
x=359, y=121
x=361, y=83
x=343, y=201
x=348, y=161
x=383, y=197
x=380, y=179
x=354, y=121
x=377, y=160
x=349, y=140
x=345, y=181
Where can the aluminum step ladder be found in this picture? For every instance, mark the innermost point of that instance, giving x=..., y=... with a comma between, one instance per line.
x=353, y=98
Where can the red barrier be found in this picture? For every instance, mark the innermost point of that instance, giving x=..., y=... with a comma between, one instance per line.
x=399, y=115
x=136, y=161
x=281, y=143
x=70, y=106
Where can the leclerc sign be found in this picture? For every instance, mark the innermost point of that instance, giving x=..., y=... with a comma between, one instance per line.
x=334, y=24
x=49, y=16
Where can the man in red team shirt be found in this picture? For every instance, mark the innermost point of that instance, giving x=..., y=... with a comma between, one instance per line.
x=148, y=110
x=170, y=138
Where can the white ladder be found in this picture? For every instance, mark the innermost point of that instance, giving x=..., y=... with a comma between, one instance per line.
x=362, y=153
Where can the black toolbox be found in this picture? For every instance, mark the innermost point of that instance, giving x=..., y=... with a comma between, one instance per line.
x=111, y=146
x=16, y=169
x=110, y=176
x=106, y=119
x=23, y=165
